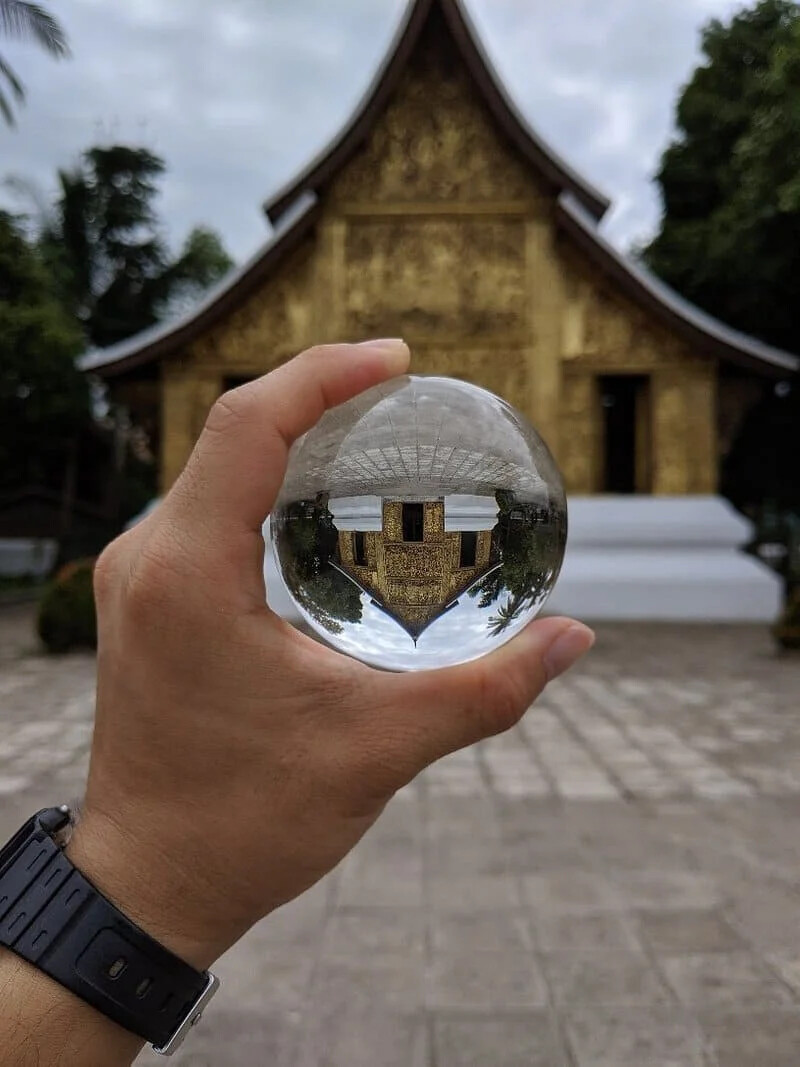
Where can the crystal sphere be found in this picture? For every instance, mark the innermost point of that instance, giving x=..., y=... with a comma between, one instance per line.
x=419, y=525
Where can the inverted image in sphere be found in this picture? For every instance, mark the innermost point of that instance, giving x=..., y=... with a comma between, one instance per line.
x=420, y=525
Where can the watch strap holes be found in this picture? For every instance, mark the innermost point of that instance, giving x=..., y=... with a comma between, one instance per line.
x=144, y=987
x=117, y=968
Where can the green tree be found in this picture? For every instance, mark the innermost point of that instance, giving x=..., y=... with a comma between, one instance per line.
x=307, y=547
x=24, y=21
x=44, y=400
x=104, y=244
x=527, y=543
x=730, y=181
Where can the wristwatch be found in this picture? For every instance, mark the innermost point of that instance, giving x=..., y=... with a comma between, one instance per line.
x=53, y=917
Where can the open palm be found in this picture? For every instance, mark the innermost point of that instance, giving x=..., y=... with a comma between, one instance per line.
x=24, y=21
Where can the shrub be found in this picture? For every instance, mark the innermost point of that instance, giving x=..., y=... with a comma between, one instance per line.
x=67, y=617
x=787, y=630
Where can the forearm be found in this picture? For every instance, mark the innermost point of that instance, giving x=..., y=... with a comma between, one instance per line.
x=43, y=1025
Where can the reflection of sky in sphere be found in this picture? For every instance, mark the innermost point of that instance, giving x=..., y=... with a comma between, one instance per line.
x=382, y=642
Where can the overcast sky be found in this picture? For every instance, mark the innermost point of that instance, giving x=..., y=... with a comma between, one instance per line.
x=237, y=95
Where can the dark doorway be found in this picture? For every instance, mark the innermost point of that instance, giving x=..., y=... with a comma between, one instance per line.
x=413, y=522
x=469, y=549
x=626, y=425
x=359, y=549
x=234, y=381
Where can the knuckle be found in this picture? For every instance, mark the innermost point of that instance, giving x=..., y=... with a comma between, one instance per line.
x=106, y=572
x=230, y=410
x=149, y=579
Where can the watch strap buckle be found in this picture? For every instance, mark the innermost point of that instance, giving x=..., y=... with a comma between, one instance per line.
x=192, y=1018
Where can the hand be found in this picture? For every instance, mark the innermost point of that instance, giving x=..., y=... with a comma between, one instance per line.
x=236, y=761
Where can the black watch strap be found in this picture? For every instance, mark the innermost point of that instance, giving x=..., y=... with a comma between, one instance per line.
x=52, y=916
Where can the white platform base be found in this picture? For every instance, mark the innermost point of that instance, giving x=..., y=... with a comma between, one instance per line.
x=662, y=559
x=668, y=559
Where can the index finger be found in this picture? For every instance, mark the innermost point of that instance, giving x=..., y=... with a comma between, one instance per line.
x=236, y=469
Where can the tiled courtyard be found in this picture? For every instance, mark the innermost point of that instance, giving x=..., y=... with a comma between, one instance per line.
x=616, y=883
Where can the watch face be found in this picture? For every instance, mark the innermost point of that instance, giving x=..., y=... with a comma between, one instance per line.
x=20, y=837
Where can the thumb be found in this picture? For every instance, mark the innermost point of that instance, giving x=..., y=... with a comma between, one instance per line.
x=448, y=709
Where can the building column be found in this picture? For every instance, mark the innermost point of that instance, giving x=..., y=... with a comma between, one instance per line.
x=186, y=399
x=543, y=328
x=580, y=415
x=684, y=430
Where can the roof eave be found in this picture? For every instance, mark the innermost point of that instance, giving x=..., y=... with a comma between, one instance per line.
x=166, y=338
x=700, y=329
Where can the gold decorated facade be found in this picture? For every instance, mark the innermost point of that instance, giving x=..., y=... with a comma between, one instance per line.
x=414, y=580
x=437, y=216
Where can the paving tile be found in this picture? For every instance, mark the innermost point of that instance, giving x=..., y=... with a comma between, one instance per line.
x=479, y=932
x=668, y=889
x=275, y=978
x=634, y=1037
x=385, y=981
x=787, y=964
x=681, y=932
x=747, y=1038
x=558, y=892
x=483, y=981
x=584, y=931
x=723, y=978
x=353, y=931
x=381, y=887
x=468, y=893
x=604, y=977
x=358, y=1038
x=527, y=1040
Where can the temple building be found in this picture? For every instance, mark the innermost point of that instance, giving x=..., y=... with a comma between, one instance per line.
x=438, y=215
x=415, y=557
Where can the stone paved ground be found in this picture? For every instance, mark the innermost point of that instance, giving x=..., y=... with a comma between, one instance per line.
x=616, y=883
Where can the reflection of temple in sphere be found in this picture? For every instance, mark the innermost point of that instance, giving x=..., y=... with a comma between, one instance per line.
x=415, y=557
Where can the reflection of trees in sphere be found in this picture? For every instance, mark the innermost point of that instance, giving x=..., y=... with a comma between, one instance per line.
x=421, y=524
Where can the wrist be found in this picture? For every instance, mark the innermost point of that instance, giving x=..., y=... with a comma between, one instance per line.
x=150, y=889
x=42, y=1024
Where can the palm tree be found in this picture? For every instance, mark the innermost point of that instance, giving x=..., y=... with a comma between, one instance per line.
x=24, y=21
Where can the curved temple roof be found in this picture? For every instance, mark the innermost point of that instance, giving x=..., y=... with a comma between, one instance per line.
x=295, y=208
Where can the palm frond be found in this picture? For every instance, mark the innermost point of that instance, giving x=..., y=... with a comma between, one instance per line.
x=17, y=90
x=5, y=109
x=26, y=21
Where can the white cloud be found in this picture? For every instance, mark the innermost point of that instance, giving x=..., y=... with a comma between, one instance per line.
x=237, y=96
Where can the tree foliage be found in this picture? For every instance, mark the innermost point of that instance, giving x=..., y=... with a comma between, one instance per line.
x=43, y=398
x=104, y=243
x=730, y=180
x=308, y=545
x=25, y=21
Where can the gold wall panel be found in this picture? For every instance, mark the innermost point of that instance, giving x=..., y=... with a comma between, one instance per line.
x=434, y=277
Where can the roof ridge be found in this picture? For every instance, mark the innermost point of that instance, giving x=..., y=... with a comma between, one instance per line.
x=538, y=153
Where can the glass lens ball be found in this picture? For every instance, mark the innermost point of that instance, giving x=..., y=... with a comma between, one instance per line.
x=420, y=525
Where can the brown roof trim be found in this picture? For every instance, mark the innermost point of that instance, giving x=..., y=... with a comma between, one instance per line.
x=330, y=161
x=165, y=338
x=698, y=328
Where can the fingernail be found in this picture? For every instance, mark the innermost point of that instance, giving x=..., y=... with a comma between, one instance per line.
x=567, y=649
x=393, y=350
